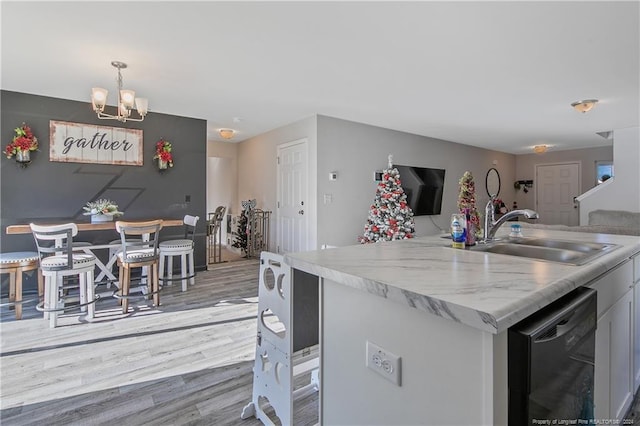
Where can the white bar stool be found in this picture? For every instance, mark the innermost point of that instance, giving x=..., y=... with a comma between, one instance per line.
x=183, y=248
x=57, y=261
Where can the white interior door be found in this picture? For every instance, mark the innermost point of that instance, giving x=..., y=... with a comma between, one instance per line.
x=292, y=203
x=557, y=185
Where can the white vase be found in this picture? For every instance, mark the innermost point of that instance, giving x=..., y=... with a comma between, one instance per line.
x=23, y=157
x=98, y=218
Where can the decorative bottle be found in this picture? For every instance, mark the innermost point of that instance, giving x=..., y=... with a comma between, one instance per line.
x=471, y=229
x=458, y=231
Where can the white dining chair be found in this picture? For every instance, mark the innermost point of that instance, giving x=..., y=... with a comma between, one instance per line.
x=58, y=260
x=183, y=248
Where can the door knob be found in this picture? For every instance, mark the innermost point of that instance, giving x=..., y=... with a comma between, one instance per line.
x=301, y=212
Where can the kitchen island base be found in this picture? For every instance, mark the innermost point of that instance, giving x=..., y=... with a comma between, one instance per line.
x=452, y=374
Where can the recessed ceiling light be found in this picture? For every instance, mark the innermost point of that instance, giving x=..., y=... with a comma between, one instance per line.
x=226, y=133
x=584, y=106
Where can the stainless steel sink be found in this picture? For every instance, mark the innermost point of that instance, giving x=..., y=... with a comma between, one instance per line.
x=562, y=251
x=562, y=244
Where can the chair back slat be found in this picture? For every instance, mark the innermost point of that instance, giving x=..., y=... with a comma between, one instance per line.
x=131, y=248
x=190, y=226
x=215, y=219
x=55, y=240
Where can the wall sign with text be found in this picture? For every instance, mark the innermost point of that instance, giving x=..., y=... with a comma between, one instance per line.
x=90, y=143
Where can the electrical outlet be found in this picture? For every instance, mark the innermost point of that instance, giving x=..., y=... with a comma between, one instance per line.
x=385, y=363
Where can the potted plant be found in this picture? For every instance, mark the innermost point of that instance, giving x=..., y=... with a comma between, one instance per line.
x=22, y=144
x=102, y=210
x=163, y=154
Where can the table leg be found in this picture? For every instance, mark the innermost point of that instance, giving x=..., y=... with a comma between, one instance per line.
x=156, y=284
x=105, y=270
x=18, y=294
x=12, y=284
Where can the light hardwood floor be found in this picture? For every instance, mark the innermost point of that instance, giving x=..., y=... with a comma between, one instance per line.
x=187, y=362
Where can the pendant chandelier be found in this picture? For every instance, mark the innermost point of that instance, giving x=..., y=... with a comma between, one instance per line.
x=126, y=100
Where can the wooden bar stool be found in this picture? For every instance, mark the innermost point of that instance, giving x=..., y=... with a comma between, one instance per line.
x=14, y=264
x=138, y=253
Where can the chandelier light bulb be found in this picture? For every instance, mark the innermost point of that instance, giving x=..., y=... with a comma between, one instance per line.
x=124, y=111
x=127, y=97
x=99, y=98
x=142, y=105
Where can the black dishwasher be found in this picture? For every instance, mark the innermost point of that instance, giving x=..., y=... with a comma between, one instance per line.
x=551, y=359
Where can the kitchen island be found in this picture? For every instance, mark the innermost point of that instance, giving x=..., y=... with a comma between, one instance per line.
x=445, y=312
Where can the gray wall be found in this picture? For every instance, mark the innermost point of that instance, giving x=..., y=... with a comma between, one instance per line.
x=587, y=157
x=51, y=191
x=257, y=171
x=356, y=150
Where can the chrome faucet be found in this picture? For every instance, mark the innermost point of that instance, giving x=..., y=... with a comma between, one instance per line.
x=491, y=225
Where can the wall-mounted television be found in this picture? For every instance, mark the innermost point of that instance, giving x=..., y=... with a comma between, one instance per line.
x=424, y=188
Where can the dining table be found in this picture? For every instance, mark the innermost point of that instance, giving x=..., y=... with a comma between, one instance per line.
x=106, y=274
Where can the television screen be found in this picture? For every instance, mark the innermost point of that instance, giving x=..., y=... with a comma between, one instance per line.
x=424, y=188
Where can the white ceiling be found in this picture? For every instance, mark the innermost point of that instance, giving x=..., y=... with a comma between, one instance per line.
x=499, y=75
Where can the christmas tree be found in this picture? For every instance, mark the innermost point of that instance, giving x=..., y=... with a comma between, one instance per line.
x=242, y=233
x=467, y=205
x=390, y=217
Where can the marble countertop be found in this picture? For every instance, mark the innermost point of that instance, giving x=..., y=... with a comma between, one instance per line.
x=487, y=291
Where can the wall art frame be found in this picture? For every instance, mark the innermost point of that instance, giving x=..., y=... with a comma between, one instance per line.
x=95, y=144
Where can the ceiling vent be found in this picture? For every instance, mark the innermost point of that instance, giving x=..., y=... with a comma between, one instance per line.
x=607, y=135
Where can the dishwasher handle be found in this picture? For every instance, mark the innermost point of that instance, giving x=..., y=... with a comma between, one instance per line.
x=579, y=312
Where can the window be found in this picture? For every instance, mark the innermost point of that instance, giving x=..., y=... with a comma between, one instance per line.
x=604, y=171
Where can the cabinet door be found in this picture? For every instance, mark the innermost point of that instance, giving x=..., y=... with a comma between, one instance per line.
x=636, y=328
x=601, y=382
x=621, y=360
x=613, y=377
x=636, y=325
